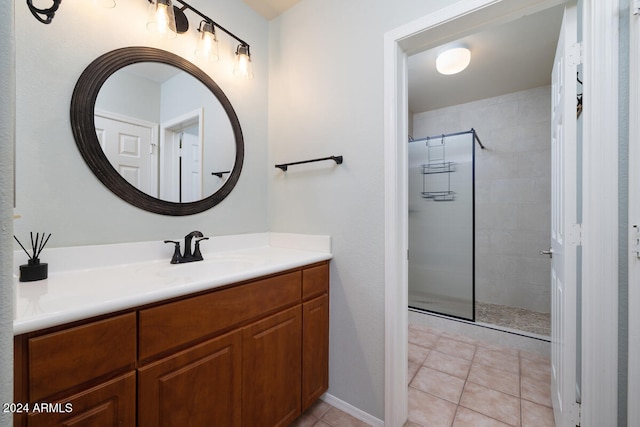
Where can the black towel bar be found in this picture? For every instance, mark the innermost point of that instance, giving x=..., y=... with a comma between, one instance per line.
x=284, y=166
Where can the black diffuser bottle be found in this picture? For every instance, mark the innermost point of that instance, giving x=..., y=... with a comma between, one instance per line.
x=34, y=270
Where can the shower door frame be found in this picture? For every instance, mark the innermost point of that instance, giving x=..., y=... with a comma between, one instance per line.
x=474, y=139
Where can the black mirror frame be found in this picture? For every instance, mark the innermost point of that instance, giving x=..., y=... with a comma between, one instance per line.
x=83, y=103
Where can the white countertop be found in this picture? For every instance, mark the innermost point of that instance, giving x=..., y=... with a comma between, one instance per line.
x=87, y=281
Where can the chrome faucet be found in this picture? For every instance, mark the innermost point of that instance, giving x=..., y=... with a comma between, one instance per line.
x=178, y=258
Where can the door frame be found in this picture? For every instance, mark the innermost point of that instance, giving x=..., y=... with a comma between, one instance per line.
x=633, y=396
x=599, y=390
x=169, y=151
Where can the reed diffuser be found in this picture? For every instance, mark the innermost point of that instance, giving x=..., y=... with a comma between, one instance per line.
x=34, y=270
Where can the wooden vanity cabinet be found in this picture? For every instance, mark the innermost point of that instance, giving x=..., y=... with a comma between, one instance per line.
x=78, y=376
x=315, y=334
x=194, y=386
x=253, y=354
x=271, y=370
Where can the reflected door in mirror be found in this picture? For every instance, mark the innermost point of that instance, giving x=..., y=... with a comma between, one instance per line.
x=129, y=146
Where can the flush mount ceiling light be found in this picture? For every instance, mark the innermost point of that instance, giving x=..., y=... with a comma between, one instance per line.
x=452, y=61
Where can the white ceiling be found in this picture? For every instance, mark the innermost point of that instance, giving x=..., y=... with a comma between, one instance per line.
x=269, y=9
x=506, y=58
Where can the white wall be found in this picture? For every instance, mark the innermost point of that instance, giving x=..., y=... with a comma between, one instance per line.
x=513, y=200
x=56, y=191
x=326, y=97
x=7, y=133
x=131, y=95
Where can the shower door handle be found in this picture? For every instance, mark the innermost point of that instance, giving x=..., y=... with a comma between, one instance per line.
x=547, y=252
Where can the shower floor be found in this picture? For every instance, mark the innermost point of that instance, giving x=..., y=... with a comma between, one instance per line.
x=514, y=318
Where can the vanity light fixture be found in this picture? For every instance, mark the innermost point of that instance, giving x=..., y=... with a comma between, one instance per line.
x=453, y=61
x=243, y=67
x=169, y=21
x=44, y=15
x=207, y=42
x=161, y=18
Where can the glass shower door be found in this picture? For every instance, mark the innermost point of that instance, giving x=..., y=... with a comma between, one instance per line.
x=441, y=225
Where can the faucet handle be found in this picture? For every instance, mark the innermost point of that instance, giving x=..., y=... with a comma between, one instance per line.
x=175, y=259
x=197, y=255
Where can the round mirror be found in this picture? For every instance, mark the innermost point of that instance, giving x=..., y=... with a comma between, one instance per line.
x=157, y=131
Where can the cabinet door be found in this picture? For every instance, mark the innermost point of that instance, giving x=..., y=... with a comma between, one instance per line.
x=315, y=349
x=271, y=367
x=76, y=357
x=197, y=387
x=112, y=403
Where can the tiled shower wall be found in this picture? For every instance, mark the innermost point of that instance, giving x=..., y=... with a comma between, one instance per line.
x=513, y=181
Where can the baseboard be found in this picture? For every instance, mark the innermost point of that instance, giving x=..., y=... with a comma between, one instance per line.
x=352, y=410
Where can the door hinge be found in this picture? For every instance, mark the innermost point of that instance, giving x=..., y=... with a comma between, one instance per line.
x=575, y=54
x=574, y=234
x=635, y=7
x=635, y=240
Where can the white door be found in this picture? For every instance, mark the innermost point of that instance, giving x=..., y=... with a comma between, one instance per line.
x=181, y=157
x=634, y=223
x=191, y=167
x=565, y=232
x=130, y=149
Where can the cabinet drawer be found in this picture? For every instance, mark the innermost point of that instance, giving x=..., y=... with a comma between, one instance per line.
x=109, y=404
x=175, y=324
x=315, y=281
x=65, y=359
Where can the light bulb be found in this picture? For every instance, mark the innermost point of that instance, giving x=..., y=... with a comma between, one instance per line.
x=107, y=4
x=207, y=43
x=162, y=19
x=243, y=67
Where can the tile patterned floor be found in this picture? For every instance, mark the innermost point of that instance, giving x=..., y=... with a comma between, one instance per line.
x=321, y=414
x=455, y=381
x=514, y=318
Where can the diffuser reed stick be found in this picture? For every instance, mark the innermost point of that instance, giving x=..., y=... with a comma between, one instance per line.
x=36, y=246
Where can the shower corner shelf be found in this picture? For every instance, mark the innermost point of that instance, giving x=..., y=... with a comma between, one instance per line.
x=439, y=196
x=438, y=167
x=434, y=168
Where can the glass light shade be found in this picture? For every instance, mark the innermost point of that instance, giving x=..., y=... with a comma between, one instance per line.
x=161, y=18
x=453, y=61
x=107, y=4
x=243, y=67
x=207, y=42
